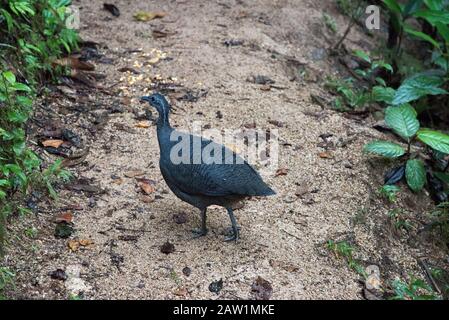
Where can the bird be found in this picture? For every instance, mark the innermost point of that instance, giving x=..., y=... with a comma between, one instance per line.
x=200, y=179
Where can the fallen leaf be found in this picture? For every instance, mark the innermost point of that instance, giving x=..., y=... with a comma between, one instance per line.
x=112, y=9
x=281, y=172
x=74, y=63
x=325, y=155
x=265, y=87
x=129, y=69
x=66, y=217
x=162, y=34
x=143, y=124
x=146, y=187
x=73, y=245
x=85, y=242
x=181, y=292
x=134, y=173
x=262, y=289
x=149, y=15
x=167, y=248
x=52, y=143
x=147, y=199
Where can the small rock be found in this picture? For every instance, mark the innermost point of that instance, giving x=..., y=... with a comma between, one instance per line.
x=216, y=286
x=289, y=199
x=63, y=230
x=167, y=248
x=262, y=289
x=58, y=274
x=186, y=271
x=180, y=218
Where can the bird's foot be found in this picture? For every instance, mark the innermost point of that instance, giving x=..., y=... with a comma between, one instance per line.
x=198, y=233
x=232, y=235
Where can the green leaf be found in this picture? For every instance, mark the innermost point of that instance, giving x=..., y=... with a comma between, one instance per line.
x=415, y=174
x=411, y=7
x=383, y=94
x=420, y=85
x=393, y=6
x=442, y=176
x=402, y=120
x=384, y=148
x=434, y=139
x=21, y=87
x=422, y=36
x=4, y=183
x=362, y=55
x=9, y=76
x=433, y=16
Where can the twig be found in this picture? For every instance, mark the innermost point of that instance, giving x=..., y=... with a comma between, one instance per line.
x=424, y=265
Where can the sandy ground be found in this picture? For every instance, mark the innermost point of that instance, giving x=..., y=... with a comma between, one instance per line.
x=282, y=237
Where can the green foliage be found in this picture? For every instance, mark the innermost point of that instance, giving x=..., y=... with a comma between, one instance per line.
x=402, y=120
x=416, y=289
x=33, y=34
x=385, y=148
x=343, y=249
x=390, y=192
x=415, y=174
x=6, y=279
x=330, y=23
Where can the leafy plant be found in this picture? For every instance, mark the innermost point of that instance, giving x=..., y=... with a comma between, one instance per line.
x=6, y=279
x=403, y=121
x=416, y=289
x=33, y=34
x=343, y=249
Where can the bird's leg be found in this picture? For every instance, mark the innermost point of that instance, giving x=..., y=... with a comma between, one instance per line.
x=235, y=228
x=203, y=231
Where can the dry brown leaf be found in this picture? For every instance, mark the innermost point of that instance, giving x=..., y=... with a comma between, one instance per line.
x=146, y=187
x=325, y=155
x=180, y=292
x=281, y=172
x=85, y=242
x=147, y=199
x=134, y=173
x=64, y=217
x=149, y=15
x=74, y=63
x=52, y=143
x=143, y=124
x=73, y=245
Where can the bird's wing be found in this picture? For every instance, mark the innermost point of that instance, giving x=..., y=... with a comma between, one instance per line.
x=233, y=176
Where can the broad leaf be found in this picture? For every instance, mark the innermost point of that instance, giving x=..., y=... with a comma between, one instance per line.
x=442, y=176
x=402, y=120
x=422, y=36
x=9, y=76
x=415, y=174
x=420, y=85
x=436, y=140
x=384, y=148
x=393, y=6
x=383, y=94
x=411, y=7
x=433, y=16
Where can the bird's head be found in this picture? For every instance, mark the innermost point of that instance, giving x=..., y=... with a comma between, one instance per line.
x=157, y=101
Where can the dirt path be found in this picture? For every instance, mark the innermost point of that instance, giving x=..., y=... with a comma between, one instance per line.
x=282, y=237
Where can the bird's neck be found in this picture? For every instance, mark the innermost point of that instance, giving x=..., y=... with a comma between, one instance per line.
x=163, y=121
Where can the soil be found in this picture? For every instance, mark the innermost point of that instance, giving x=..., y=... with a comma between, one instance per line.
x=321, y=197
